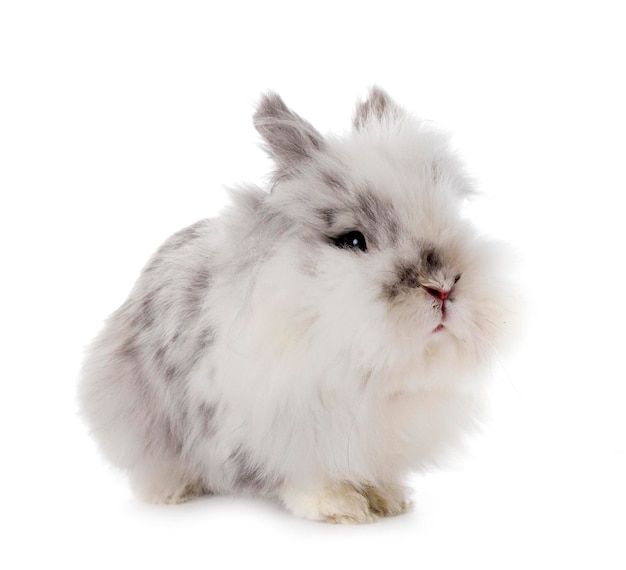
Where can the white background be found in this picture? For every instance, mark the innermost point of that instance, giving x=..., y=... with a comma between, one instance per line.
x=121, y=122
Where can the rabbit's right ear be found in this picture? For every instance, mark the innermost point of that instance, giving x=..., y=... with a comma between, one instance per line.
x=377, y=107
x=289, y=138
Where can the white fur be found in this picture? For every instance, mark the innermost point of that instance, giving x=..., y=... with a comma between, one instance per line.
x=317, y=381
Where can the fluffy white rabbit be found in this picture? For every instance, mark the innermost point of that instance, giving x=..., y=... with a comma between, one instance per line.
x=319, y=340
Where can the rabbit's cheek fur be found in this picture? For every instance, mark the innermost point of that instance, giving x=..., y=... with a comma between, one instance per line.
x=264, y=352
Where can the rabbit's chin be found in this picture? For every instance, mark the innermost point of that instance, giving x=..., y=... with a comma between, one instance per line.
x=433, y=353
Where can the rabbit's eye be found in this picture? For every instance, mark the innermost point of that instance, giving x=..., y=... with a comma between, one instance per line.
x=352, y=240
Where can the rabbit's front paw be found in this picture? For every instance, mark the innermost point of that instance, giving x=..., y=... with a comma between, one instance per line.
x=334, y=503
x=387, y=500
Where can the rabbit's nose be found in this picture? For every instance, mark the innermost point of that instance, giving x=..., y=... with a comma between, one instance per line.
x=437, y=293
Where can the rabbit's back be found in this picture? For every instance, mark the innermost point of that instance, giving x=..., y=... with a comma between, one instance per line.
x=132, y=389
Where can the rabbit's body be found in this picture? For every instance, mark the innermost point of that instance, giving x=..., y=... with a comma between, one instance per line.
x=264, y=352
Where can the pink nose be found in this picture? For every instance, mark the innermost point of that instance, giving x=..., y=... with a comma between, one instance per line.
x=437, y=293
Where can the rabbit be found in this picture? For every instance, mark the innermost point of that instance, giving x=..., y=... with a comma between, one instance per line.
x=319, y=340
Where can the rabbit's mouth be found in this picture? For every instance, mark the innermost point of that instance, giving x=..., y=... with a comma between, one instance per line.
x=438, y=328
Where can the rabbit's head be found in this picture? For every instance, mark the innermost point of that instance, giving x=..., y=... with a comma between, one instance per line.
x=371, y=259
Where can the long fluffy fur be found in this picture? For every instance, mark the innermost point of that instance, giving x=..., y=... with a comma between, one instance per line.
x=255, y=356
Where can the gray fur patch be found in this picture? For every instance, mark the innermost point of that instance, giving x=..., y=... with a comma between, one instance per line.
x=172, y=373
x=408, y=274
x=207, y=337
x=160, y=355
x=376, y=216
x=366, y=379
x=250, y=476
x=435, y=171
x=183, y=237
x=129, y=350
x=144, y=316
x=172, y=435
x=328, y=216
x=177, y=241
x=204, y=340
x=198, y=286
x=431, y=260
x=333, y=180
x=406, y=278
x=207, y=414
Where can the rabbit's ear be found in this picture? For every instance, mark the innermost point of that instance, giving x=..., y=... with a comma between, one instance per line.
x=377, y=108
x=289, y=138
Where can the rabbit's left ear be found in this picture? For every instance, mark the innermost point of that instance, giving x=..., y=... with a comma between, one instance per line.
x=377, y=108
x=289, y=138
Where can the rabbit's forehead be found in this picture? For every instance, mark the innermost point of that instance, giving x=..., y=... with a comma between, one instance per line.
x=393, y=190
x=389, y=210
